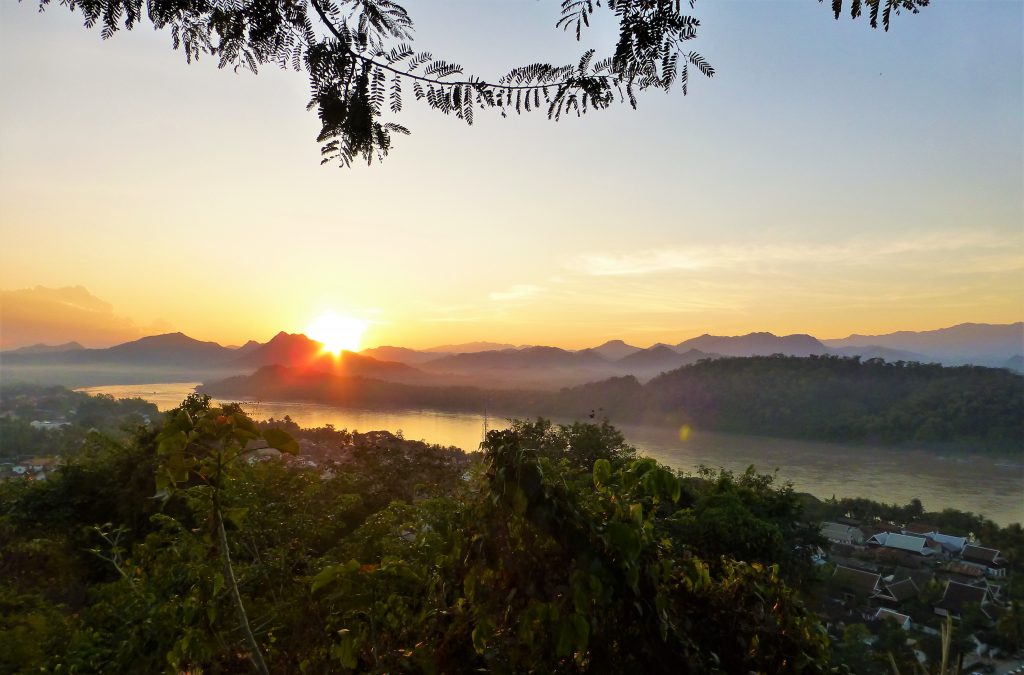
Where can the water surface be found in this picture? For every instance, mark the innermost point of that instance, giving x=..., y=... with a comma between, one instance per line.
x=987, y=484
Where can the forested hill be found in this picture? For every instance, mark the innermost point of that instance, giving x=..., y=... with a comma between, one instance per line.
x=816, y=397
x=822, y=397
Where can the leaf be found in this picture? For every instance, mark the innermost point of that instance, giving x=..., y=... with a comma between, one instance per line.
x=236, y=515
x=345, y=650
x=281, y=440
x=602, y=472
x=481, y=634
x=624, y=539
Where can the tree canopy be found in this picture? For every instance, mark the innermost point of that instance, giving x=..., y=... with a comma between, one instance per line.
x=361, y=59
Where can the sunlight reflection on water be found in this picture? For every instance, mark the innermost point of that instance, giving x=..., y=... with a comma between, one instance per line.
x=985, y=484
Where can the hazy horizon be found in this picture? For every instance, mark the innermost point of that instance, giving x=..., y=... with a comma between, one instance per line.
x=851, y=181
x=99, y=327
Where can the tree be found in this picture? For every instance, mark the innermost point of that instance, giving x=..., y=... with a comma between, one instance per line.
x=361, y=62
x=199, y=447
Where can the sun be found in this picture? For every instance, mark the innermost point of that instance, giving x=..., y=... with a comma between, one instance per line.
x=337, y=333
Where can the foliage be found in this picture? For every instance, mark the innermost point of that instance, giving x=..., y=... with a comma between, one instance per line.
x=559, y=550
x=23, y=404
x=361, y=63
x=838, y=398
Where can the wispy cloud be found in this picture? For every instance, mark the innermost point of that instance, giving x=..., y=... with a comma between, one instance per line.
x=517, y=292
x=969, y=248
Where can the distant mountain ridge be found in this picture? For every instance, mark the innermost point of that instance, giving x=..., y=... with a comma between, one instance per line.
x=532, y=367
x=45, y=349
x=978, y=343
x=756, y=344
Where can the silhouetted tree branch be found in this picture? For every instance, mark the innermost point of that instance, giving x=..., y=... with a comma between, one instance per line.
x=360, y=60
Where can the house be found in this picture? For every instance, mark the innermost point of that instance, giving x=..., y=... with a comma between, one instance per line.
x=902, y=542
x=897, y=592
x=840, y=533
x=957, y=597
x=856, y=583
x=988, y=559
x=963, y=569
x=950, y=545
x=901, y=620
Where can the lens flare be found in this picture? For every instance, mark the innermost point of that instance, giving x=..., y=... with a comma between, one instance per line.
x=337, y=333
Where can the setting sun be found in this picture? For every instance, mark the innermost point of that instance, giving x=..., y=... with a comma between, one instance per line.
x=337, y=333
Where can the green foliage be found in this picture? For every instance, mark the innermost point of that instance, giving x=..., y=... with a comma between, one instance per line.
x=558, y=549
x=23, y=404
x=837, y=398
x=359, y=57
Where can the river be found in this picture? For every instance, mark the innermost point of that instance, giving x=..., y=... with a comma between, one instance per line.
x=986, y=484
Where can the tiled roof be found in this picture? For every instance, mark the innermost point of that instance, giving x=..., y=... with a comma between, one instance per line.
x=884, y=613
x=901, y=590
x=980, y=554
x=859, y=581
x=957, y=596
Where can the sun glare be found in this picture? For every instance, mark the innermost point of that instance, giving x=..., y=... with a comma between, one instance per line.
x=337, y=333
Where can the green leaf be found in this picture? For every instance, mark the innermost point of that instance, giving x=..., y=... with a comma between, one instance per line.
x=236, y=515
x=624, y=539
x=481, y=634
x=602, y=472
x=281, y=440
x=345, y=650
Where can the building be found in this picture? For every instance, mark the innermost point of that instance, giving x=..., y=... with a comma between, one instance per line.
x=988, y=559
x=903, y=542
x=901, y=620
x=840, y=533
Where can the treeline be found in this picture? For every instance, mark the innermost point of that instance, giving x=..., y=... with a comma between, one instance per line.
x=557, y=550
x=817, y=397
x=824, y=397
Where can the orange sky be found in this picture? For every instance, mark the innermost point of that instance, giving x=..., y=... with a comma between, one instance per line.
x=830, y=179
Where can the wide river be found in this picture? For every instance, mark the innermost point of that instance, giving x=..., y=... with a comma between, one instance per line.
x=990, y=485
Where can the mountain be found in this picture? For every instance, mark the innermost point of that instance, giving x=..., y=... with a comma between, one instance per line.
x=249, y=346
x=285, y=349
x=518, y=359
x=755, y=344
x=45, y=349
x=471, y=347
x=412, y=357
x=1016, y=363
x=660, y=358
x=297, y=350
x=614, y=350
x=160, y=350
x=977, y=343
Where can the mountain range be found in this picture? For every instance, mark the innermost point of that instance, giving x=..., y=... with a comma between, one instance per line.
x=176, y=354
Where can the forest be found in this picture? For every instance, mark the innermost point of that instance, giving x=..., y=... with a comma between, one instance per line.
x=210, y=542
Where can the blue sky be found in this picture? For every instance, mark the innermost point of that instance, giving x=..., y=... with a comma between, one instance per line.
x=829, y=179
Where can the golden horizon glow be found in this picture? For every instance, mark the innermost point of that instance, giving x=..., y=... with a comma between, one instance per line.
x=337, y=333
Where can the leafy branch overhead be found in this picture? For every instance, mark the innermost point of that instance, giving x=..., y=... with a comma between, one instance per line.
x=362, y=64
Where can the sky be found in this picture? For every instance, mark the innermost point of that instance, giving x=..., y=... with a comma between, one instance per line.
x=830, y=179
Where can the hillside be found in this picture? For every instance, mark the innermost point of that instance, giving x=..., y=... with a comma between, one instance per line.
x=824, y=398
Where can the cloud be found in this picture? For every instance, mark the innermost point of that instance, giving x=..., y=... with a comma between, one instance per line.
x=971, y=250
x=58, y=315
x=517, y=292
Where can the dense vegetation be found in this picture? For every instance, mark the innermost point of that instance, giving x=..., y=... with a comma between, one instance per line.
x=835, y=398
x=559, y=550
x=816, y=397
x=190, y=547
x=23, y=404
